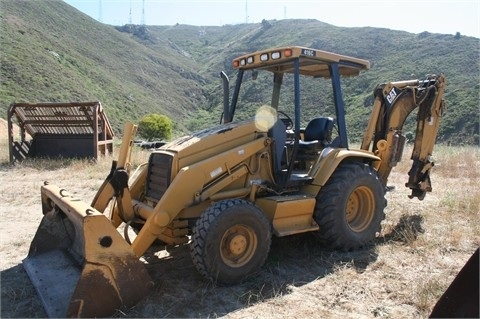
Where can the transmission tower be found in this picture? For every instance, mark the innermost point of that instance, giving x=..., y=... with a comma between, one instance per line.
x=130, y=16
x=143, y=12
x=100, y=11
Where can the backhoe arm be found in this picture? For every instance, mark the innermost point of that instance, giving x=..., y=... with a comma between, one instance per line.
x=394, y=101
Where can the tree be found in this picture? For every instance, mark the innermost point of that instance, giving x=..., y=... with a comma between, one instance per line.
x=155, y=127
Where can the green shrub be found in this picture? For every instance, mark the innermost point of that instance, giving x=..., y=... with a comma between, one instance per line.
x=155, y=127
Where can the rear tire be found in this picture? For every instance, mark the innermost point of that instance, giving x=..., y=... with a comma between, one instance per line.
x=349, y=208
x=230, y=241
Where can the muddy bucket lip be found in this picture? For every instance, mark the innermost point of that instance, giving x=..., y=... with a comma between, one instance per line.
x=68, y=290
x=54, y=276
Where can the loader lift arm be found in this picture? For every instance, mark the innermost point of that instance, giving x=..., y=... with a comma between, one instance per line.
x=394, y=101
x=76, y=250
x=116, y=183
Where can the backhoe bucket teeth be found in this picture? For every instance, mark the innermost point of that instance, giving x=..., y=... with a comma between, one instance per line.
x=78, y=262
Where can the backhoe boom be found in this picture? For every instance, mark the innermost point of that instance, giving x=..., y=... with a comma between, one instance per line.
x=394, y=102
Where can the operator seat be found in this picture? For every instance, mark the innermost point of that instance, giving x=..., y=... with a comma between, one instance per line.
x=317, y=135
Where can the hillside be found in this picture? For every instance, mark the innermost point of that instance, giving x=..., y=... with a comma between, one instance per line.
x=53, y=52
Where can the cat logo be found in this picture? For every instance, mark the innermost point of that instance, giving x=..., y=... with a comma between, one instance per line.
x=391, y=96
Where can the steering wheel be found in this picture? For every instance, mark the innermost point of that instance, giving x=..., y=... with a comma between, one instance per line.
x=287, y=120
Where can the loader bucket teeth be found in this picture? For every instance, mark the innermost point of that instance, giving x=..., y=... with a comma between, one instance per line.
x=78, y=262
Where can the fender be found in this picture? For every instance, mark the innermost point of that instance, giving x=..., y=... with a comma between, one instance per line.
x=328, y=162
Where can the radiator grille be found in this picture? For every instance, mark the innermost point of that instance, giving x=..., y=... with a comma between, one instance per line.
x=159, y=174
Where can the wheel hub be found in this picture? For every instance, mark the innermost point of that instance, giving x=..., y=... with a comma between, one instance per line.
x=238, y=245
x=360, y=208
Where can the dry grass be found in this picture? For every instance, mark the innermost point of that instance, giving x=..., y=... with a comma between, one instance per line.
x=422, y=246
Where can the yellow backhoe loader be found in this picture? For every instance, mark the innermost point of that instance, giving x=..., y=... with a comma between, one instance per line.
x=226, y=190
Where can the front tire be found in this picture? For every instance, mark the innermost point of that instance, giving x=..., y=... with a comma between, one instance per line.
x=230, y=241
x=349, y=208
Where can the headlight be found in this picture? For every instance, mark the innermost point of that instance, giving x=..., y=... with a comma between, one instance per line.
x=275, y=55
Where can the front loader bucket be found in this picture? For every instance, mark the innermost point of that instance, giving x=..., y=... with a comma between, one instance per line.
x=78, y=262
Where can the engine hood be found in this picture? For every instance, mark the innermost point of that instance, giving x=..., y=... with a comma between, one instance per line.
x=209, y=142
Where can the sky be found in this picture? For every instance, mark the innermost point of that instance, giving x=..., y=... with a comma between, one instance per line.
x=414, y=16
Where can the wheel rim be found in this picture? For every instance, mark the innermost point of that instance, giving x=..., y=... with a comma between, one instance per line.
x=360, y=209
x=238, y=246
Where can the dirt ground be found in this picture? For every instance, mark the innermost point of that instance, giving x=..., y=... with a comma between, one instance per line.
x=422, y=247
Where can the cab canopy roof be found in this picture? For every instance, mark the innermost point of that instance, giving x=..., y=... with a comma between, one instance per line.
x=312, y=62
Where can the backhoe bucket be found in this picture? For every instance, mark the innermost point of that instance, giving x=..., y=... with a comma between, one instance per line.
x=78, y=262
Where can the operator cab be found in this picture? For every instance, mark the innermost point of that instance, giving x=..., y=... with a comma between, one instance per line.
x=302, y=128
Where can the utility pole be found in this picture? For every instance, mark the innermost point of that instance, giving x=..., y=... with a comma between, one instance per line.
x=246, y=11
